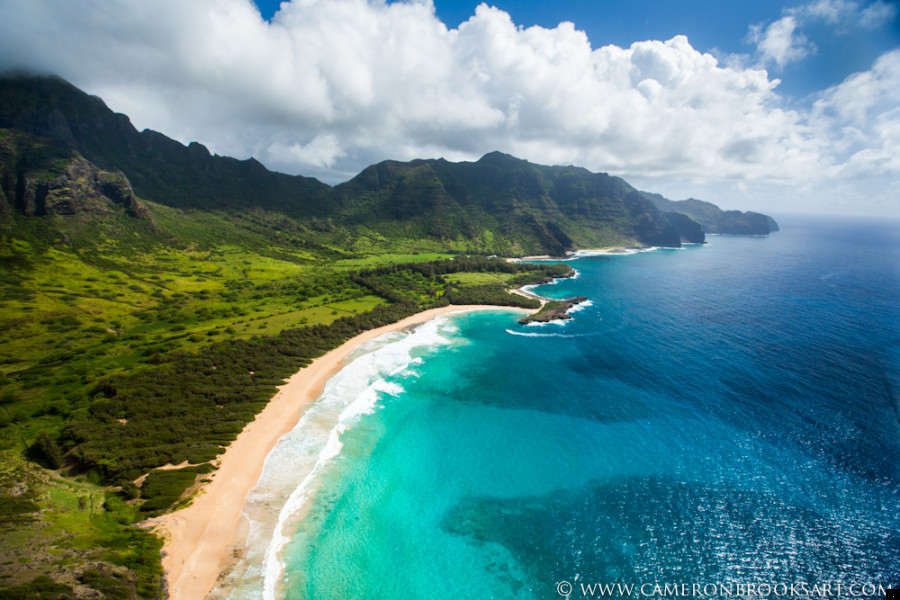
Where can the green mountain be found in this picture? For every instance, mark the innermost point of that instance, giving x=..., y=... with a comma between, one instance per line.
x=715, y=220
x=509, y=203
x=498, y=204
x=158, y=168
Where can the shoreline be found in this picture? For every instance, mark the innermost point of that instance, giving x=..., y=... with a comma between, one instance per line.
x=572, y=254
x=199, y=538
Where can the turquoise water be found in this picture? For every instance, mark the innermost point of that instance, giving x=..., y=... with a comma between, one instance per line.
x=717, y=415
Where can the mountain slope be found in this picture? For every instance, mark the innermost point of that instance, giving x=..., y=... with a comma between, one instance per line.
x=159, y=168
x=715, y=220
x=520, y=206
x=40, y=177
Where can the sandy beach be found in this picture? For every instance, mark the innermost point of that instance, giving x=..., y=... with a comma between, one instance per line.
x=198, y=538
x=573, y=253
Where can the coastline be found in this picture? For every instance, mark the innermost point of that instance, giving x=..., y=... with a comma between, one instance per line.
x=573, y=254
x=198, y=539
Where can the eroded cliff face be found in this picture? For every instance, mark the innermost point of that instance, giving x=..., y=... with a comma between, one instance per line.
x=80, y=188
x=38, y=179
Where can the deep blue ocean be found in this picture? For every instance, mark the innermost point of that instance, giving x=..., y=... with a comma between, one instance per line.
x=717, y=416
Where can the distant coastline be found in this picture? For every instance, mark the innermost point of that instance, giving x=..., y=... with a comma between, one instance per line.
x=574, y=254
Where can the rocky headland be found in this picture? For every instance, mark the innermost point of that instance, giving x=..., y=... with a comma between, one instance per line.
x=553, y=310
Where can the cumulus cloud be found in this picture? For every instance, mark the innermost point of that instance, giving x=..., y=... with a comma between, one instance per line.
x=330, y=86
x=779, y=43
x=862, y=116
x=782, y=41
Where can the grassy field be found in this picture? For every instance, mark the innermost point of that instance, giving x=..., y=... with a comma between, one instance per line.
x=71, y=318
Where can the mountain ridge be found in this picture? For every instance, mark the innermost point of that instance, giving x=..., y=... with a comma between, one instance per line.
x=158, y=167
x=497, y=204
x=715, y=220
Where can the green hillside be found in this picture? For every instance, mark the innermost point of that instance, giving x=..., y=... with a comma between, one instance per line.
x=510, y=205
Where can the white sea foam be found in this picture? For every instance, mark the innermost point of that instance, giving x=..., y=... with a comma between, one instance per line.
x=292, y=472
x=580, y=306
x=622, y=252
x=530, y=334
x=554, y=323
x=617, y=252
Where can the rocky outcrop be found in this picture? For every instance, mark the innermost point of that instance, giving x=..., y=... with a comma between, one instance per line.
x=80, y=188
x=117, y=189
x=7, y=193
x=553, y=310
x=39, y=177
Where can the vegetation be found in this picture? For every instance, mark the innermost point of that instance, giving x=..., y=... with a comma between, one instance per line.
x=65, y=536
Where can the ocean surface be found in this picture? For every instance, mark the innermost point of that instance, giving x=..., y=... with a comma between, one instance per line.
x=716, y=416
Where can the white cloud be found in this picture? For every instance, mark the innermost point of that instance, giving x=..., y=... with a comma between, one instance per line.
x=862, y=116
x=330, y=86
x=322, y=151
x=846, y=12
x=877, y=14
x=830, y=11
x=780, y=42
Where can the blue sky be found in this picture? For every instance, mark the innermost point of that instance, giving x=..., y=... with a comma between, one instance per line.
x=785, y=107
